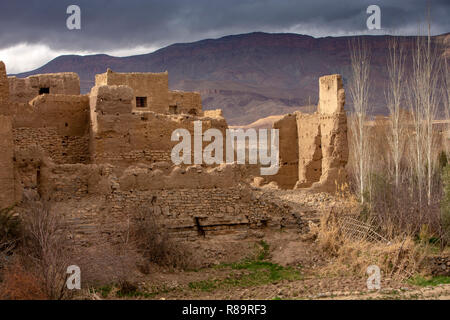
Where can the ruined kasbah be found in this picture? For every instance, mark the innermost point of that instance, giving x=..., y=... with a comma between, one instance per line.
x=95, y=157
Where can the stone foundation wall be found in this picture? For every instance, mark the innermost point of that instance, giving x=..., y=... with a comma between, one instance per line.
x=134, y=156
x=61, y=149
x=189, y=214
x=189, y=203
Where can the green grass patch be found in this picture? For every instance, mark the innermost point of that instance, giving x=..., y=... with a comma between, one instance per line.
x=136, y=294
x=105, y=290
x=429, y=281
x=255, y=274
x=252, y=272
x=264, y=253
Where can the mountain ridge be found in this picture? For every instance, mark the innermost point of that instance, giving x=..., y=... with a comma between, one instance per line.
x=249, y=76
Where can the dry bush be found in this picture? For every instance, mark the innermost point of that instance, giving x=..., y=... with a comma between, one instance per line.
x=155, y=243
x=46, y=249
x=9, y=234
x=104, y=264
x=399, y=258
x=19, y=283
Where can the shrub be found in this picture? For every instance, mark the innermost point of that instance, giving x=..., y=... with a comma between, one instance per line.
x=154, y=242
x=9, y=233
x=20, y=284
x=46, y=248
x=106, y=264
x=400, y=257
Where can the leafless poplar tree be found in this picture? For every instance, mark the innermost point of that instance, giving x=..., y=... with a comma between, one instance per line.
x=425, y=94
x=394, y=97
x=446, y=94
x=359, y=93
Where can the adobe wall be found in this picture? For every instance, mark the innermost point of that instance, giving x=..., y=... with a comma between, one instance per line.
x=185, y=102
x=23, y=90
x=191, y=203
x=287, y=174
x=309, y=149
x=217, y=113
x=122, y=136
x=97, y=157
x=331, y=95
x=318, y=140
x=7, y=196
x=4, y=86
x=333, y=125
x=153, y=86
x=58, y=123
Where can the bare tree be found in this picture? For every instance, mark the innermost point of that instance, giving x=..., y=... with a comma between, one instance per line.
x=359, y=92
x=425, y=100
x=446, y=94
x=394, y=97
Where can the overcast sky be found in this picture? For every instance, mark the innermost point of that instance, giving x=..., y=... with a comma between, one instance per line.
x=33, y=32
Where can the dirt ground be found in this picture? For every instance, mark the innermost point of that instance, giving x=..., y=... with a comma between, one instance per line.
x=272, y=265
x=302, y=256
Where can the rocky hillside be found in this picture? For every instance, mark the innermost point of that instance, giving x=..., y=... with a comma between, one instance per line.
x=249, y=76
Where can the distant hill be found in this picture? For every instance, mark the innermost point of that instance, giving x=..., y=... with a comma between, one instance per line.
x=249, y=76
x=263, y=123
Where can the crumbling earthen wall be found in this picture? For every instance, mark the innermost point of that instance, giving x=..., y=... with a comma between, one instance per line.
x=217, y=113
x=22, y=90
x=309, y=149
x=190, y=202
x=154, y=87
x=185, y=102
x=7, y=196
x=122, y=135
x=4, y=86
x=58, y=123
x=333, y=127
x=97, y=157
x=321, y=141
x=287, y=174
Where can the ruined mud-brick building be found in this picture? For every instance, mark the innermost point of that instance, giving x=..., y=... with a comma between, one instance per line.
x=96, y=157
x=314, y=147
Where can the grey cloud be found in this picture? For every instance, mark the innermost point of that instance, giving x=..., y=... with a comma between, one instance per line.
x=113, y=24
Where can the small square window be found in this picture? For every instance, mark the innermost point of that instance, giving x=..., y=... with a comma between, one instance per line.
x=45, y=90
x=141, y=102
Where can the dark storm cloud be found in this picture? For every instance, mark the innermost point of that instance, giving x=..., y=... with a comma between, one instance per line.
x=113, y=24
